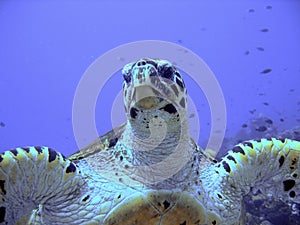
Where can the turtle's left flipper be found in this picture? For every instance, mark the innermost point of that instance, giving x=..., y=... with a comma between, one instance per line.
x=270, y=166
x=35, y=181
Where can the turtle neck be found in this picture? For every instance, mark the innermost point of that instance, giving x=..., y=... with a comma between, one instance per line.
x=159, y=143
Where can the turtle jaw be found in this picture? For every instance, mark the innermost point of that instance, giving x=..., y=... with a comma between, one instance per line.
x=146, y=98
x=146, y=103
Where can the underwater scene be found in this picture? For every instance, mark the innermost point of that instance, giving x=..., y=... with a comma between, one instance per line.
x=150, y=112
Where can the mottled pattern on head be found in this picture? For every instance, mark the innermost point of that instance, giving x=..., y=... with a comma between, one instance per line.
x=153, y=84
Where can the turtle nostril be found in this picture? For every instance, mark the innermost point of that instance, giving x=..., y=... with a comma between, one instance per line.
x=141, y=63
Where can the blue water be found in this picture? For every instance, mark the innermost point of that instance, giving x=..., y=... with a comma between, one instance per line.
x=46, y=46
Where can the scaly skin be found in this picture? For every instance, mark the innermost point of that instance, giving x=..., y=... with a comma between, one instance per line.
x=137, y=174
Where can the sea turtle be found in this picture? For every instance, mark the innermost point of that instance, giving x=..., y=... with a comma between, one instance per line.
x=148, y=171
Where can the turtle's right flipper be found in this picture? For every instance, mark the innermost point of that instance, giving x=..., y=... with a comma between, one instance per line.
x=32, y=180
x=270, y=167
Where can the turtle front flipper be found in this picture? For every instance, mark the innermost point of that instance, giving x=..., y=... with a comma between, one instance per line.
x=271, y=167
x=33, y=182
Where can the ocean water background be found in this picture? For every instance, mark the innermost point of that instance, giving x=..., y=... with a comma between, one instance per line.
x=46, y=46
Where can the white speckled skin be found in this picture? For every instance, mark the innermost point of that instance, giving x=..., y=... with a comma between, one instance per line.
x=104, y=183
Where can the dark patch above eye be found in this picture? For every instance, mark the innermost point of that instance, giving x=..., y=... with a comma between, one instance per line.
x=71, y=168
x=133, y=112
x=169, y=108
x=1, y=158
x=288, y=184
x=52, y=155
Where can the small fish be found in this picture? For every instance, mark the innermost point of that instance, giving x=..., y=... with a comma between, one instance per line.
x=179, y=41
x=218, y=131
x=247, y=52
x=244, y=125
x=2, y=124
x=192, y=115
x=292, y=90
x=252, y=111
x=269, y=121
x=261, y=129
x=260, y=49
x=262, y=94
x=268, y=7
x=264, y=30
x=266, y=103
x=251, y=10
x=281, y=120
x=266, y=71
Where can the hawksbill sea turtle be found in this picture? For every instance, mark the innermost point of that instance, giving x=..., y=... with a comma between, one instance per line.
x=148, y=171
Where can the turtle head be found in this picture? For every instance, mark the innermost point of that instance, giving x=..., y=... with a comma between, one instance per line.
x=153, y=85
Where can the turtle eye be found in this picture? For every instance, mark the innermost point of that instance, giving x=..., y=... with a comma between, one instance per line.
x=168, y=73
